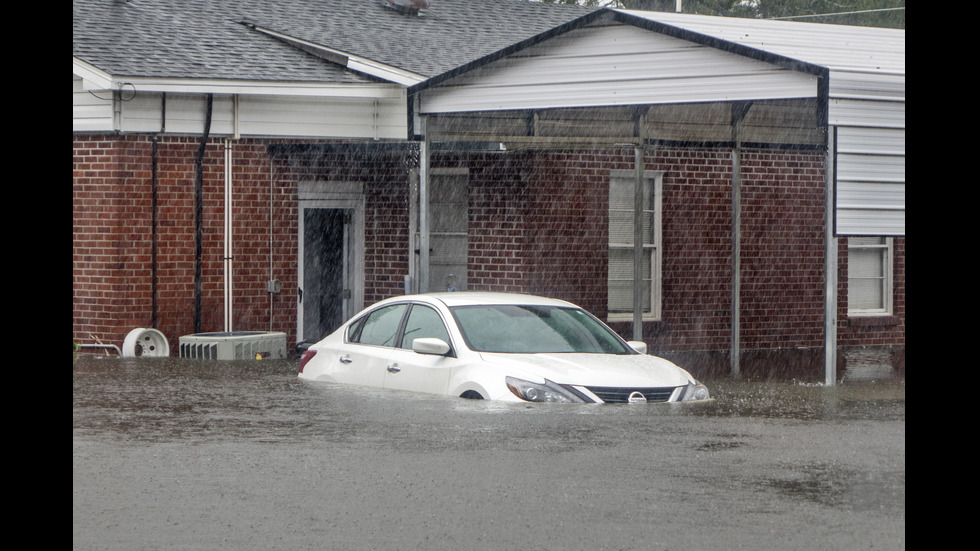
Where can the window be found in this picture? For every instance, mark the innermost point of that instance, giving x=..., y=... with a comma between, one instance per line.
x=622, y=185
x=379, y=327
x=424, y=322
x=869, y=276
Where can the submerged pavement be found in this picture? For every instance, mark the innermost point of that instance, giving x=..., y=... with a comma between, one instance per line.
x=184, y=454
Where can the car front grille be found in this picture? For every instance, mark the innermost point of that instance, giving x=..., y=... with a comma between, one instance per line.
x=620, y=395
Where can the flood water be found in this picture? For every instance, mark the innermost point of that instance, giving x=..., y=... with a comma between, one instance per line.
x=183, y=454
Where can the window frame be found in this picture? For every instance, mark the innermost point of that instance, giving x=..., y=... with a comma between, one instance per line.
x=653, y=179
x=461, y=279
x=887, y=250
x=354, y=333
x=408, y=318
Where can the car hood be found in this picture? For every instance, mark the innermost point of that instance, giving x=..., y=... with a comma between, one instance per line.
x=610, y=370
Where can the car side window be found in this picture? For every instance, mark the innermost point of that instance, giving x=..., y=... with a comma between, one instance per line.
x=424, y=322
x=380, y=326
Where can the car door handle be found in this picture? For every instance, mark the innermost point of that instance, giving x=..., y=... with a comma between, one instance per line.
x=345, y=360
x=393, y=368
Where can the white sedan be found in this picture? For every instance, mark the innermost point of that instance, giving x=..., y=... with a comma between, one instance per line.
x=494, y=346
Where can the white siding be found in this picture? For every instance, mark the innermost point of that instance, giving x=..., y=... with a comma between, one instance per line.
x=91, y=111
x=871, y=221
x=614, y=65
x=871, y=114
x=870, y=166
x=325, y=117
x=871, y=141
x=863, y=85
x=867, y=104
x=870, y=181
x=259, y=115
x=185, y=114
x=839, y=47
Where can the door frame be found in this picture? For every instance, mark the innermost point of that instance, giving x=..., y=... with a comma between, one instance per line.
x=349, y=197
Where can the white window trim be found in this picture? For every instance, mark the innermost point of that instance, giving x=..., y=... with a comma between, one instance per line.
x=654, y=177
x=887, y=309
x=414, y=244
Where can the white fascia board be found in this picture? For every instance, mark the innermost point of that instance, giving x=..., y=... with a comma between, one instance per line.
x=378, y=91
x=384, y=72
x=350, y=61
x=96, y=79
x=92, y=78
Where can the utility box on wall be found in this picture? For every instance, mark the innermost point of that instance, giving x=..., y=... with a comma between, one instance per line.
x=236, y=345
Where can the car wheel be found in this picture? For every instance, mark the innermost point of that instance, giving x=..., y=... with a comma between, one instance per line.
x=471, y=395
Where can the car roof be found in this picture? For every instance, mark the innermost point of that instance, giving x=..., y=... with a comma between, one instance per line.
x=472, y=298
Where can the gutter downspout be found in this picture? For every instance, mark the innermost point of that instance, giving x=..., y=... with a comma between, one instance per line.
x=229, y=215
x=153, y=229
x=155, y=182
x=272, y=271
x=199, y=214
x=228, y=237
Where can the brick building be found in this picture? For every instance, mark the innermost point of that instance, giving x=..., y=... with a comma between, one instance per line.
x=311, y=208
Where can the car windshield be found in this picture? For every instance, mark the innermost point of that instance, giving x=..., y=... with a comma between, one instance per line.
x=526, y=329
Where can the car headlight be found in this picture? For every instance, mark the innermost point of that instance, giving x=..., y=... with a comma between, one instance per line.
x=695, y=391
x=534, y=392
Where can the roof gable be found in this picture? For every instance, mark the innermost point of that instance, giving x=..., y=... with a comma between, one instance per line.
x=607, y=64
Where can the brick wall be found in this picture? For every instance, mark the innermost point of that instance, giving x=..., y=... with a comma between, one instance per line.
x=498, y=241
x=538, y=224
x=564, y=199
x=537, y=221
x=567, y=226
x=697, y=229
x=112, y=235
x=110, y=280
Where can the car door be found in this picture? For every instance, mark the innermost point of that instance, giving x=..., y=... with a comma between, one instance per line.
x=409, y=370
x=369, y=346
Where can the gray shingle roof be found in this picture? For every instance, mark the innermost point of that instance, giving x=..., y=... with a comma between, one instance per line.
x=205, y=39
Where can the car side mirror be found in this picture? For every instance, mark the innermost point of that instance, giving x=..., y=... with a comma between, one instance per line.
x=639, y=346
x=433, y=346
